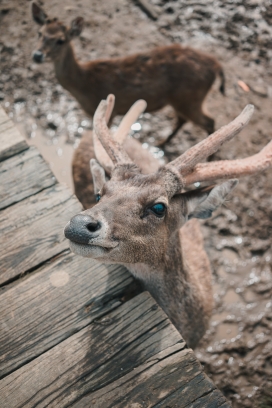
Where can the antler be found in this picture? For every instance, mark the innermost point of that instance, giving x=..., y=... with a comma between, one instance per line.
x=110, y=152
x=232, y=168
x=99, y=151
x=191, y=170
x=130, y=117
x=186, y=162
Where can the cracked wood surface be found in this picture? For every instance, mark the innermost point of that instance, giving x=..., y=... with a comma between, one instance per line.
x=21, y=179
x=193, y=388
x=99, y=354
x=47, y=307
x=132, y=356
x=68, y=337
x=12, y=142
x=32, y=231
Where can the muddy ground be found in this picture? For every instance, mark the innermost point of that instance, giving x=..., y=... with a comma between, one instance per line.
x=237, y=350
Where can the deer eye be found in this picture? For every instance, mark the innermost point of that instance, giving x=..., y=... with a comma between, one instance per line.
x=97, y=197
x=158, y=209
x=60, y=42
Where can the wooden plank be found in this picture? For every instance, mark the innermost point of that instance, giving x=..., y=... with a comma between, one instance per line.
x=97, y=355
x=62, y=298
x=212, y=400
x=22, y=176
x=32, y=231
x=11, y=141
x=175, y=380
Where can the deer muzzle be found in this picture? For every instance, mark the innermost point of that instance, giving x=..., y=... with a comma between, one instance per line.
x=82, y=229
x=38, y=56
x=89, y=237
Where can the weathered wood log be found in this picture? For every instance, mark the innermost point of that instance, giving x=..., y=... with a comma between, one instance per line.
x=62, y=298
x=106, y=350
x=12, y=142
x=32, y=230
x=22, y=176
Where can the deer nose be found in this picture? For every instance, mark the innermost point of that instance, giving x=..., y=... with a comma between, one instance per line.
x=37, y=56
x=81, y=229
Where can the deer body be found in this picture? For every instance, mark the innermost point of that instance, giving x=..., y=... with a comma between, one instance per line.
x=146, y=221
x=170, y=75
x=176, y=270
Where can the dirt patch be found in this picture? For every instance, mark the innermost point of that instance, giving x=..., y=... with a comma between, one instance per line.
x=237, y=350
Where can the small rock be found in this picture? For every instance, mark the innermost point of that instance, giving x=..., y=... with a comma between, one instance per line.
x=5, y=9
x=70, y=8
x=231, y=297
x=260, y=245
x=20, y=96
x=2, y=96
x=52, y=125
x=260, y=90
x=230, y=255
x=250, y=296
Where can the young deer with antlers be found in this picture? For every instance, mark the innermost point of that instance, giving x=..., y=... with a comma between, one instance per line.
x=171, y=75
x=147, y=223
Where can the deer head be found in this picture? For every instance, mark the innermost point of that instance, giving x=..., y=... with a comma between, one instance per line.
x=54, y=36
x=137, y=215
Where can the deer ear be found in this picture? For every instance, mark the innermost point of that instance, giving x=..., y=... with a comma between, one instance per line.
x=201, y=203
x=76, y=27
x=98, y=174
x=38, y=14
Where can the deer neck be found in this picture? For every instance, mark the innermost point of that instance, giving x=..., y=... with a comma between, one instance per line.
x=71, y=74
x=174, y=288
x=67, y=68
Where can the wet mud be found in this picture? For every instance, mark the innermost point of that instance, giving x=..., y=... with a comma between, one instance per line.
x=237, y=349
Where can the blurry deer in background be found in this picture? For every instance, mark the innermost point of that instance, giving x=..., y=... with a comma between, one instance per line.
x=146, y=222
x=170, y=75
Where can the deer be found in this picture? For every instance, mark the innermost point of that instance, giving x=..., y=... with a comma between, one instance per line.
x=149, y=223
x=168, y=75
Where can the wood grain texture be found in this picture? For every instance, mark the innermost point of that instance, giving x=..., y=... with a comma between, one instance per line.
x=32, y=230
x=60, y=299
x=136, y=333
x=12, y=142
x=174, y=379
x=22, y=176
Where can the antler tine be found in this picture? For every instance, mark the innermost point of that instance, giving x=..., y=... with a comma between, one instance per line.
x=130, y=117
x=100, y=152
x=113, y=148
x=188, y=160
x=110, y=106
x=231, y=168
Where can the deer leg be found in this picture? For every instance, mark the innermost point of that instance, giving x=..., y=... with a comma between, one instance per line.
x=204, y=121
x=180, y=123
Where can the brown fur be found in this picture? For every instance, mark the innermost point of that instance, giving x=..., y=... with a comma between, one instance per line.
x=167, y=257
x=169, y=75
x=140, y=222
x=160, y=249
x=83, y=182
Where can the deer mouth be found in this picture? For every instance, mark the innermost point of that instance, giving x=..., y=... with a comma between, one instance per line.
x=91, y=250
